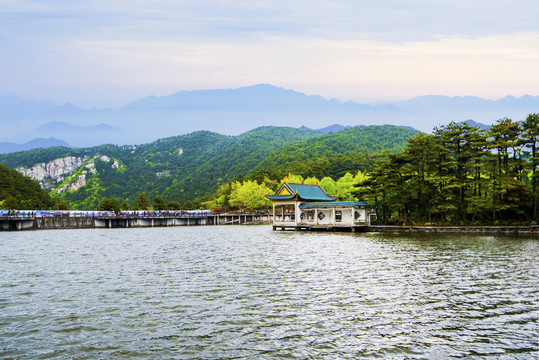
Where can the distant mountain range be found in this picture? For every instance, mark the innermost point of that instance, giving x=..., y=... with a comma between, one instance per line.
x=336, y=128
x=8, y=147
x=234, y=111
x=60, y=126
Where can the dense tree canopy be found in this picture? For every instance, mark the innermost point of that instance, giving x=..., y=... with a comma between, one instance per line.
x=20, y=192
x=460, y=175
x=195, y=165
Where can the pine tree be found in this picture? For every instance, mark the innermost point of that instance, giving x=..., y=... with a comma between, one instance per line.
x=109, y=204
x=530, y=136
x=158, y=203
x=142, y=202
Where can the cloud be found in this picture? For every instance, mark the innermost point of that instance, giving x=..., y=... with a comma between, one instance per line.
x=391, y=20
x=113, y=50
x=450, y=65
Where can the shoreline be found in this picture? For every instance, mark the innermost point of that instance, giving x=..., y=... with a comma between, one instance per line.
x=469, y=230
x=115, y=222
x=499, y=229
x=24, y=224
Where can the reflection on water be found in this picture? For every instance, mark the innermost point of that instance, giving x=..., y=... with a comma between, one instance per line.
x=247, y=292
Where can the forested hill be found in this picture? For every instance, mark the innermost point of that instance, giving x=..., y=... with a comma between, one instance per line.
x=334, y=154
x=185, y=167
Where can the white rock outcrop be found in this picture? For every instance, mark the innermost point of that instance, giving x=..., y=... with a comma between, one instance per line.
x=55, y=169
x=58, y=169
x=77, y=184
x=91, y=167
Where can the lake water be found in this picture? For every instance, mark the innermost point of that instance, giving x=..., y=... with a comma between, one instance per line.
x=247, y=292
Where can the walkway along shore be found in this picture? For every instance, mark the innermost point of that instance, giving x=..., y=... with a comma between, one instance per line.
x=45, y=223
x=530, y=230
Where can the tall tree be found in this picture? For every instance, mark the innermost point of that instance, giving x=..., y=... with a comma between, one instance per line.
x=422, y=154
x=330, y=186
x=174, y=205
x=530, y=135
x=457, y=139
x=250, y=195
x=158, y=203
x=124, y=206
x=142, y=202
x=345, y=185
x=508, y=190
x=109, y=204
x=477, y=198
x=189, y=205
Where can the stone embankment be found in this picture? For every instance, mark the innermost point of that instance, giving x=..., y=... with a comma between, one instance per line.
x=46, y=223
x=532, y=229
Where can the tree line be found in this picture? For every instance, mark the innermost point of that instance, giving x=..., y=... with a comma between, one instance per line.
x=142, y=202
x=460, y=175
x=250, y=194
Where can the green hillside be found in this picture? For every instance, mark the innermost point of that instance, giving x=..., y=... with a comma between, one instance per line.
x=238, y=156
x=359, y=148
x=186, y=167
x=178, y=168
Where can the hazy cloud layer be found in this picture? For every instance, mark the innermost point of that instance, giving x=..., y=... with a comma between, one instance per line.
x=108, y=52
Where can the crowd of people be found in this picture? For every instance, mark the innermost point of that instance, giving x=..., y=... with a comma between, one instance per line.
x=77, y=213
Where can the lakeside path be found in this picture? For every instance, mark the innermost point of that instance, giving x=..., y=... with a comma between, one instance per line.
x=25, y=223
x=48, y=223
x=531, y=229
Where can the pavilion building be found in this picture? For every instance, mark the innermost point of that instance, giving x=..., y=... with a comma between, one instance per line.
x=302, y=206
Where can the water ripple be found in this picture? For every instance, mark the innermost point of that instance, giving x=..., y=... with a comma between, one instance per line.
x=241, y=292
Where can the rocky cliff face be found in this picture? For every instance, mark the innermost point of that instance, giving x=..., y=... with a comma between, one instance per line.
x=79, y=179
x=79, y=182
x=55, y=170
x=52, y=174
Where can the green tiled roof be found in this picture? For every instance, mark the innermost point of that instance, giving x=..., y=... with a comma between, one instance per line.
x=281, y=197
x=303, y=192
x=332, y=204
x=311, y=192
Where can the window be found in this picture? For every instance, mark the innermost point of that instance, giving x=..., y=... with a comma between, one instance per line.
x=338, y=216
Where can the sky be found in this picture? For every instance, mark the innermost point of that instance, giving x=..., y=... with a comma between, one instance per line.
x=106, y=53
